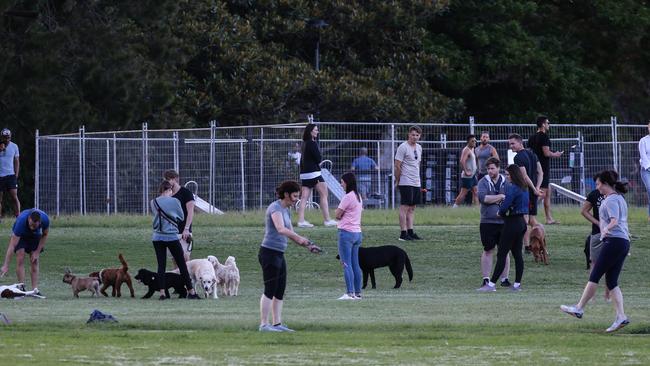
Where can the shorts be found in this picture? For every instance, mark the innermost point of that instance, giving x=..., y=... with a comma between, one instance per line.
x=468, y=183
x=311, y=183
x=274, y=272
x=532, y=203
x=28, y=244
x=410, y=195
x=490, y=235
x=8, y=182
x=364, y=187
x=545, y=180
x=185, y=245
x=595, y=246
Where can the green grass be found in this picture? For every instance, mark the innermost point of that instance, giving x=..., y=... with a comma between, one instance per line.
x=436, y=319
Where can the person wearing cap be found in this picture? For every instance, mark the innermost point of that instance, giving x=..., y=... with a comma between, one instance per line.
x=9, y=168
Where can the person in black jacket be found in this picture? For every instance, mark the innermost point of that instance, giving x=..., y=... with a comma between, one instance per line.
x=311, y=177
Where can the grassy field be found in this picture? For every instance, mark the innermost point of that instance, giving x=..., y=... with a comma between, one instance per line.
x=436, y=319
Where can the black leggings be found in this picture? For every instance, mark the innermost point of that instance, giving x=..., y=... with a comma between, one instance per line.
x=610, y=261
x=177, y=253
x=512, y=240
x=274, y=272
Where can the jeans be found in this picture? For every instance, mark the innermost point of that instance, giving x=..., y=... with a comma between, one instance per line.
x=349, y=244
x=645, y=177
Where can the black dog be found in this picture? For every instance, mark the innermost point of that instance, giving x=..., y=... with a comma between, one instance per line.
x=388, y=255
x=150, y=279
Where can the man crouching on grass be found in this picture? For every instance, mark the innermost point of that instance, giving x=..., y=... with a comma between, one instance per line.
x=29, y=236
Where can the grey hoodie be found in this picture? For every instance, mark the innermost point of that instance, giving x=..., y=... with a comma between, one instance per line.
x=165, y=222
x=487, y=188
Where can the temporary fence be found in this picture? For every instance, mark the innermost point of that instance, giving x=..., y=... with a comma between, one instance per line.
x=238, y=168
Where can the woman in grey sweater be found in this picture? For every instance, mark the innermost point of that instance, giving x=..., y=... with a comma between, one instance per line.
x=168, y=213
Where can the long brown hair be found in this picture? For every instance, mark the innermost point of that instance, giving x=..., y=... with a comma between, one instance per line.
x=351, y=184
x=516, y=175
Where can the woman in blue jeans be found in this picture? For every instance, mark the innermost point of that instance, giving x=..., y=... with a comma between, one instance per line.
x=349, y=215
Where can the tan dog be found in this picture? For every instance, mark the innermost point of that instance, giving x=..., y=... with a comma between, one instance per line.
x=232, y=277
x=202, y=273
x=538, y=243
x=115, y=277
x=81, y=283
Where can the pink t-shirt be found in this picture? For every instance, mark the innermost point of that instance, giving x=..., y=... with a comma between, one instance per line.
x=351, y=220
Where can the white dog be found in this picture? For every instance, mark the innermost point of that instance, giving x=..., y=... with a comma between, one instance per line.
x=17, y=291
x=219, y=271
x=201, y=271
x=227, y=275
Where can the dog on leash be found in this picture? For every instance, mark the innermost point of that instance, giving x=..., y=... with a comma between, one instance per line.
x=17, y=291
x=388, y=255
x=81, y=283
x=115, y=277
x=150, y=279
x=538, y=244
x=202, y=273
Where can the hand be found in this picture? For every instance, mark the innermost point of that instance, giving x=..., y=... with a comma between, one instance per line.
x=4, y=270
x=603, y=233
x=35, y=255
x=185, y=234
x=538, y=193
x=541, y=194
x=559, y=153
x=313, y=248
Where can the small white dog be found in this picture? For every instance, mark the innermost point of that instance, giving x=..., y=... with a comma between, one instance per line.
x=17, y=291
x=227, y=275
x=202, y=272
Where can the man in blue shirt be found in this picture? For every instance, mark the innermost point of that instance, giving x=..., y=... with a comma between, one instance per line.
x=29, y=236
x=9, y=168
x=363, y=166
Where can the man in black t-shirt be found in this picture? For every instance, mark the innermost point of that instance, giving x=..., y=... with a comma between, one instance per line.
x=593, y=244
x=187, y=204
x=531, y=169
x=540, y=144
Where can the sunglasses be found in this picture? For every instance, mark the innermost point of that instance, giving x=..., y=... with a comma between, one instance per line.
x=415, y=154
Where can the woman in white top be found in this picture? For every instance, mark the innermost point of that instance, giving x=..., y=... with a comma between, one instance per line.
x=644, y=152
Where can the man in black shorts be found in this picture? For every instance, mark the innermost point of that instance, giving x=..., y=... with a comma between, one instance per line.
x=9, y=169
x=187, y=204
x=531, y=168
x=491, y=191
x=407, y=179
x=540, y=144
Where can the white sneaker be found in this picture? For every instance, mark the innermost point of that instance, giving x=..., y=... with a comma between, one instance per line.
x=454, y=206
x=573, y=311
x=616, y=325
x=346, y=297
x=330, y=223
x=305, y=224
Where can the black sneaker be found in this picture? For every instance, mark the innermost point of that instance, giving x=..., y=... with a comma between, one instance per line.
x=414, y=236
x=506, y=283
x=405, y=237
x=163, y=297
x=527, y=249
x=193, y=297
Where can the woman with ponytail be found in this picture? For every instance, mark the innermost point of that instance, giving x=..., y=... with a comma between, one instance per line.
x=349, y=215
x=616, y=245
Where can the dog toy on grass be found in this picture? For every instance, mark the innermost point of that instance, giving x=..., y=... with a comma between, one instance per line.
x=98, y=317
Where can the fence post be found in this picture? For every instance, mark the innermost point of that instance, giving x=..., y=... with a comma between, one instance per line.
x=243, y=185
x=115, y=173
x=471, y=125
x=213, y=132
x=58, y=177
x=176, y=158
x=108, y=177
x=392, y=167
x=145, y=166
x=261, y=166
x=81, y=170
x=36, y=178
x=581, y=141
x=614, y=142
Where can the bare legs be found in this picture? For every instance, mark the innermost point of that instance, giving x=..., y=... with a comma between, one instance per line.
x=305, y=193
x=486, y=264
x=271, y=307
x=406, y=217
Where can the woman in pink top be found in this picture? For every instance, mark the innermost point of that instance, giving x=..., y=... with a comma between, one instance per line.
x=349, y=215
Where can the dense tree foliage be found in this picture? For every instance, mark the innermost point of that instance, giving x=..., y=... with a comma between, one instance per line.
x=114, y=64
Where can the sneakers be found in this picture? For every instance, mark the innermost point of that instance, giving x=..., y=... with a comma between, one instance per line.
x=573, y=311
x=162, y=297
x=505, y=283
x=329, y=223
x=346, y=297
x=358, y=297
x=487, y=288
x=405, y=237
x=305, y=224
x=414, y=236
x=515, y=289
x=283, y=328
x=268, y=328
x=616, y=325
x=485, y=281
x=193, y=297
x=37, y=292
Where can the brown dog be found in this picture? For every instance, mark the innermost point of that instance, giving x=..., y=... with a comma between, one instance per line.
x=114, y=277
x=81, y=283
x=538, y=243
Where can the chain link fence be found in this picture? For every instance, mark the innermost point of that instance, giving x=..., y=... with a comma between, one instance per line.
x=238, y=168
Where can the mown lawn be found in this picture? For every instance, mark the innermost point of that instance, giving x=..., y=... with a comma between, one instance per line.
x=436, y=319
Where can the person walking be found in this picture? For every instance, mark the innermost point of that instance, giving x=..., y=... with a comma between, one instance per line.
x=644, y=162
x=513, y=209
x=349, y=215
x=616, y=244
x=9, y=169
x=277, y=230
x=363, y=166
x=491, y=192
x=593, y=244
x=311, y=177
x=468, y=172
x=540, y=144
x=186, y=198
x=407, y=179
x=483, y=152
x=29, y=235
x=167, y=216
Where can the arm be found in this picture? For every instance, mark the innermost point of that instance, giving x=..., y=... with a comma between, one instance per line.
x=190, y=216
x=529, y=182
x=10, y=252
x=41, y=243
x=16, y=166
x=586, y=213
x=507, y=202
x=463, y=158
x=339, y=213
x=487, y=199
x=540, y=177
x=613, y=212
x=278, y=222
x=551, y=154
x=495, y=154
x=645, y=161
x=398, y=171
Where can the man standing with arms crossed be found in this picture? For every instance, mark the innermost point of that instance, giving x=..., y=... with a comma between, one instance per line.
x=531, y=168
x=9, y=168
x=407, y=180
x=541, y=146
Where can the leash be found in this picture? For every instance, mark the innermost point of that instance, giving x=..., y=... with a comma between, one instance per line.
x=315, y=250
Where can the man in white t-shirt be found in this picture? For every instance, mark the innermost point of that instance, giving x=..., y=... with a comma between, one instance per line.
x=407, y=179
x=9, y=168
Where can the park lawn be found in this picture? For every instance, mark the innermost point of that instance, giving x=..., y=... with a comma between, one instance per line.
x=438, y=318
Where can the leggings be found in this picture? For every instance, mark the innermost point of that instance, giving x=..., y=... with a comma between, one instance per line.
x=177, y=253
x=274, y=272
x=610, y=261
x=512, y=235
